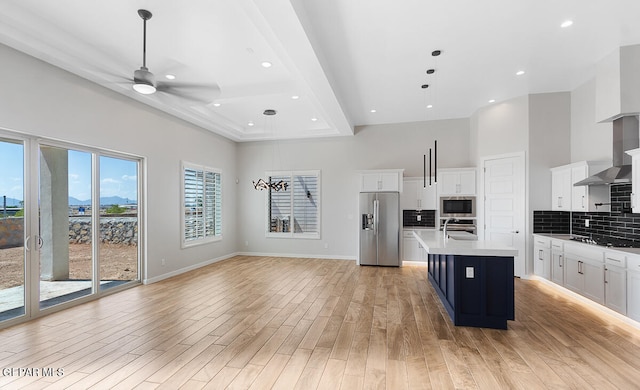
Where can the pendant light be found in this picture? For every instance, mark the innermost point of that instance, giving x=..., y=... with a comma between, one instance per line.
x=262, y=184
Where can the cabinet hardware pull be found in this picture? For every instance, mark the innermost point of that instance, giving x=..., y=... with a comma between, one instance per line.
x=539, y=254
x=560, y=262
x=582, y=201
x=605, y=275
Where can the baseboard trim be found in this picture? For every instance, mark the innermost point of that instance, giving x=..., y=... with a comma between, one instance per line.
x=187, y=269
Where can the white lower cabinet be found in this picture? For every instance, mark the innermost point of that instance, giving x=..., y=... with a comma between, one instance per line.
x=411, y=248
x=615, y=281
x=584, y=271
x=633, y=287
x=542, y=257
x=557, y=262
x=607, y=276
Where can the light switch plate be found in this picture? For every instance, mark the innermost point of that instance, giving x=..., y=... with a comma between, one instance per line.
x=469, y=272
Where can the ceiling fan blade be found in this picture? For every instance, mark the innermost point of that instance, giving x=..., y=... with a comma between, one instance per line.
x=204, y=93
x=186, y=96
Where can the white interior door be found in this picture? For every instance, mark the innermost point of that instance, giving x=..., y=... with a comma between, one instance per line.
x=504, y=205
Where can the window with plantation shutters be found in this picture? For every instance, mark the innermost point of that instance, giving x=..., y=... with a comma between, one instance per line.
x=201, y=205
x=294, y=212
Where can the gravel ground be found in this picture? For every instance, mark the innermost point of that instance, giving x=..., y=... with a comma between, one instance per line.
x=118, y=262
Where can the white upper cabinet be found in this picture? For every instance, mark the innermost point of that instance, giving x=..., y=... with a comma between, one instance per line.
x=567, y=197
x=561, y=189
x=415, y=196
x=459, y=181
x=386, y=180
x=618, y=84
x=635, y=179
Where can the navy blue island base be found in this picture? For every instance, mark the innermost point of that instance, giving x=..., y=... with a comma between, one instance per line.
x=475, y=290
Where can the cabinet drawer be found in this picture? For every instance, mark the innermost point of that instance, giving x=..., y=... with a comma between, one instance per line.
x=542, y=242
x=615, y=258
x=557, y=246
x=633, y=263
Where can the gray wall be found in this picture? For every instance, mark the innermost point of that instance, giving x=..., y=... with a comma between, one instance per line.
x=590, y=141
x=339, y=159
x=39, y=99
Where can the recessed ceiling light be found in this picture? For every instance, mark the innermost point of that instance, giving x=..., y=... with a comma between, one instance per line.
x=314, y=119
x=566, y=23
x=430, y=106
x=492, y=101
x=216, y=104
x=266, y=64
x=431, y=71
x=436, y=53
x=295, y=97
x=170, y=76
x=374, y=110
x=520, y=73
x=250, y=124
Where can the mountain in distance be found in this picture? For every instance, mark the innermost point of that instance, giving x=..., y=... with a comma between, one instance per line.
x=11, y=202
x=105, y=201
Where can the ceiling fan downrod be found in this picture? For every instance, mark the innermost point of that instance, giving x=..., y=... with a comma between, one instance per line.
x=145, y=15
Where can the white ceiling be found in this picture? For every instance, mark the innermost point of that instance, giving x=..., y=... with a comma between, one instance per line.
x=343, y=58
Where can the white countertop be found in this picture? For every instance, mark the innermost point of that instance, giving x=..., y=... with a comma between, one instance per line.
x=567, y=238
x=433, y=241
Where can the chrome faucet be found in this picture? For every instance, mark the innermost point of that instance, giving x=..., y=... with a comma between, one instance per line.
x=444, y=230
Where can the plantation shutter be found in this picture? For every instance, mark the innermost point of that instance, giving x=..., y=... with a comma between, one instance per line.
x=202, y=204
x=280, y=207
x=305, y=208
x=296, y=210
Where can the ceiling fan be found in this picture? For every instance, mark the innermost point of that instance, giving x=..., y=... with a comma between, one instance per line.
x=144, y=82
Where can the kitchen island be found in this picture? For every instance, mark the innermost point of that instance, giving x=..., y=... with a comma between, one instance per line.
x=474, y=279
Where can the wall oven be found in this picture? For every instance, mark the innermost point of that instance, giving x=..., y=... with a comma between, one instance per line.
x=457, y=206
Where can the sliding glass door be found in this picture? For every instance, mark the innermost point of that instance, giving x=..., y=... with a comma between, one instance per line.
x=69, y=225
x=118, y=221
x=65, y=239
x=12, y=230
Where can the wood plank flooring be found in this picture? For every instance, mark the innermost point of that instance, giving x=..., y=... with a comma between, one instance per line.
x=283, y=323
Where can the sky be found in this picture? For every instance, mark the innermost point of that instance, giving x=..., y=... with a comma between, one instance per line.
x=117, y=176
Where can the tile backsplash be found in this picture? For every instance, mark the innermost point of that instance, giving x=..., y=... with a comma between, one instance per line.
x=427, y=218
x=619, y=223
x=557, y=222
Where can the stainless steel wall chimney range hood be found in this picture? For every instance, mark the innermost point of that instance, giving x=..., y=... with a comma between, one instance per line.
x=625, y=137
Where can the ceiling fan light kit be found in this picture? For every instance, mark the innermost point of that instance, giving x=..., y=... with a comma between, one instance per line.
x=144, y=81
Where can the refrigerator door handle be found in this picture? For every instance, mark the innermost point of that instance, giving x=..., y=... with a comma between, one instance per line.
x=376, y=216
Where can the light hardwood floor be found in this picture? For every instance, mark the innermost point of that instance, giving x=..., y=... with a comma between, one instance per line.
x=260, y=323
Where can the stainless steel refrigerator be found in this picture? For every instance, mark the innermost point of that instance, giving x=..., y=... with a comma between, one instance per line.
x=380, y=228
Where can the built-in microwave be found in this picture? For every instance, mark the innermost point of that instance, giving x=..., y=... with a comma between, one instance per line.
x=457, y=206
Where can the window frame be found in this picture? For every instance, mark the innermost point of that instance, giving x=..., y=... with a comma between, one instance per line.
x=217, y=236
x=292, y=233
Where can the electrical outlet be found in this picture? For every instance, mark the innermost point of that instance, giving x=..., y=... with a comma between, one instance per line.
x=246, y=243
x=586, y=223
x=469, y=272
x=326, y=246
x=163, y=262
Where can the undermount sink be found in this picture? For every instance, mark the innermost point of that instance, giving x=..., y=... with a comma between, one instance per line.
x=462, y=236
